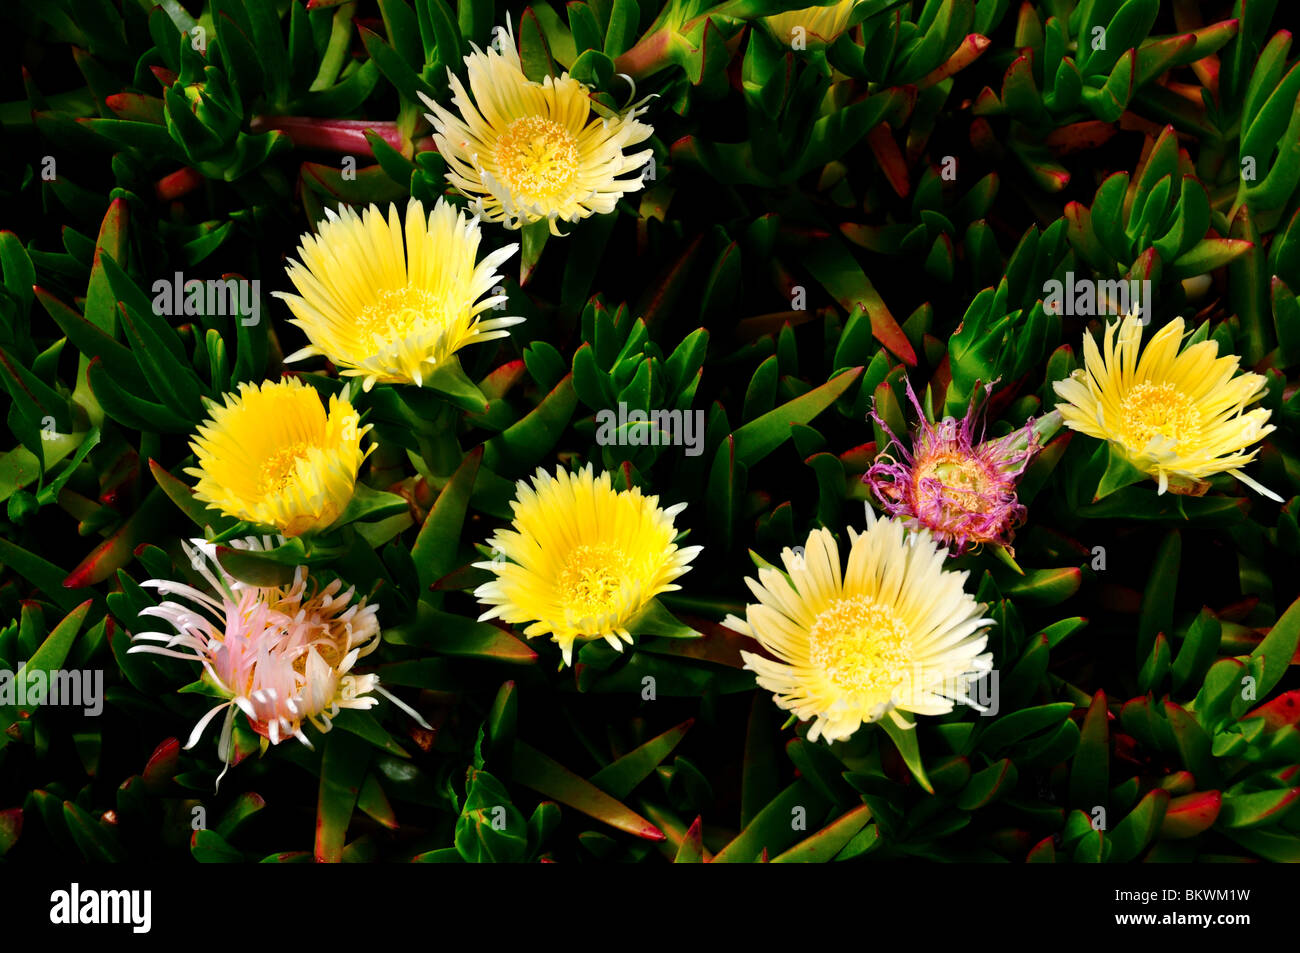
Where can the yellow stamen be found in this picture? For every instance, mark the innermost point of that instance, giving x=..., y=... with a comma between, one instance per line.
x=861, y=645
x=279, y=467
x=395, y=313
x=537, y=157
x=1158, y=410
x=965, y=481
x=591, y=580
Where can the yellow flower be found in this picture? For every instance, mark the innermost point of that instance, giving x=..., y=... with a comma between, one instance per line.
x=583, y=559
x=388, y=314
x=523, y=151
x=1179, y=417
x=895, y=632
x=821, y=25
x=271, y=455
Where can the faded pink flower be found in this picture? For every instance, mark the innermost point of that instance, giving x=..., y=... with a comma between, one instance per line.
x=959, y=486
x=283, y=655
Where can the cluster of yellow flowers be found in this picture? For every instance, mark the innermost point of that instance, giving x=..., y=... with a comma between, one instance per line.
x=388, y=301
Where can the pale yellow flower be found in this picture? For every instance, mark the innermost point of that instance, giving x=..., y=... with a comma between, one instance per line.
x=524, y=152
x=583, y=559
x=390, y=311
x=1178, y=415
x=272, y=455
x=893, y=632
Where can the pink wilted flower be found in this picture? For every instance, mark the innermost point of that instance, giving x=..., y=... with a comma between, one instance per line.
x=953, y=482
x=283, y=655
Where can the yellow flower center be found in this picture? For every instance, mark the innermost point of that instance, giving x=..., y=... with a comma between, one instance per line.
x=278, y=468
x=537, y=157
x=964, y=479
x=394, y=314
x=591, y=580
x=861, y=645
x=1157, y=410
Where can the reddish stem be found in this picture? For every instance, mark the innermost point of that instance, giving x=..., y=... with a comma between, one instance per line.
x=333, y=135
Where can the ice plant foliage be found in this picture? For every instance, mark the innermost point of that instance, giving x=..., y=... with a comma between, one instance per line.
x=283, y=655
x=821, y=26
x=272, y=455
x=830, y=198
x=1177, y=414
x=583, y=559
x=892, y=632
x=953, y=482
x=389, y=302
x=525, y=152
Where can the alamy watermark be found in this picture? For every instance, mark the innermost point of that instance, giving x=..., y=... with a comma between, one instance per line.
x=657, y=428
x=216, y=296
x=75, y=906
x=981, y=690
x=82, y=689
x=1088, y=297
